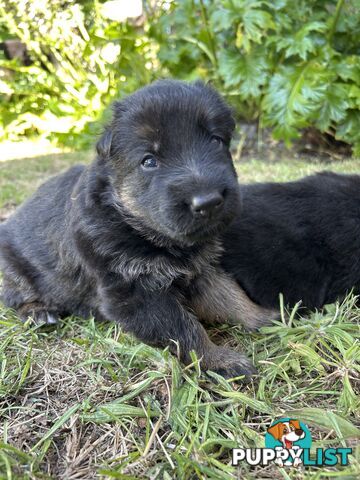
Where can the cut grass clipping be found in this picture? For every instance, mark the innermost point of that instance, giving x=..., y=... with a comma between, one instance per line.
x=84, y=400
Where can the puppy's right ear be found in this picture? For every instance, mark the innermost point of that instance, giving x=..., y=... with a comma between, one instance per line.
x=275, y=431
x=103, y=146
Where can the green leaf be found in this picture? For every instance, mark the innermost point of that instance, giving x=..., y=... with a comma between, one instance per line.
x=242, y=398
x=348, y=130
x=354, y=94
x=110, y=412
x=246, y=72
x=308, y=354
x=302, y=42
x=222, y=19
x=333, y=106
x=349, y=401
x=294, y=94
x=349, y=68
x=256, y=23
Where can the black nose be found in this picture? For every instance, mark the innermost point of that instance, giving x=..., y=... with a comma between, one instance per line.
x=206, y=203
x=299, y=432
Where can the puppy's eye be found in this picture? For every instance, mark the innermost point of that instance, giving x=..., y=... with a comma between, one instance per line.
x=149, y=161
x=217, y=140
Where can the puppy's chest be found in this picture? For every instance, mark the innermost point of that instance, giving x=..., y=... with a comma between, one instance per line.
x=159, y=272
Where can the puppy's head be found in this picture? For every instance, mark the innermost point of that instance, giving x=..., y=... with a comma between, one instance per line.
x=172, y=173
x=287, y=431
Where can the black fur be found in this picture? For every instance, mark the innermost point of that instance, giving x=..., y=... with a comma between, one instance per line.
x=300, y=238
x=122, y=242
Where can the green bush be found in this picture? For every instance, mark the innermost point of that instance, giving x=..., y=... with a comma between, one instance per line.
x=289, y=64
x=81, y=61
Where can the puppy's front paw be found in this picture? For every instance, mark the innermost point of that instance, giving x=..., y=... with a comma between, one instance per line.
x=38, y=314
x=258, y=317
x=230, y=364
x=45, y=317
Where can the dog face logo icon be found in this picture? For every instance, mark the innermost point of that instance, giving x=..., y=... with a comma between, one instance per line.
x=288, y=436
x=287, y=432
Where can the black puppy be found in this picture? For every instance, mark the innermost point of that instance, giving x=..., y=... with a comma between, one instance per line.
x=301, y=239
x=134, y=237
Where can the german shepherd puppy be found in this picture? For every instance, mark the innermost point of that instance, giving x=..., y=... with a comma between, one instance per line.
x=301, y=239
x=135, y=237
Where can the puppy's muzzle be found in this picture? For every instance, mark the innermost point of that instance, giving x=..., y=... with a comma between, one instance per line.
x=206, y=204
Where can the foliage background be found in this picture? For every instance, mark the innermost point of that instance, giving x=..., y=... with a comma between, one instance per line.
x=287, y=64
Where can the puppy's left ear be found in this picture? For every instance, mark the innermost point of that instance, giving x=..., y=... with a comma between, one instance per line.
x=275, y=431
x=103, y=146
x=295, y=423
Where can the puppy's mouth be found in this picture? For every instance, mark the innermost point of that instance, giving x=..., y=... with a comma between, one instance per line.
x=199, y=231
x=182, y=231
x=203, y=231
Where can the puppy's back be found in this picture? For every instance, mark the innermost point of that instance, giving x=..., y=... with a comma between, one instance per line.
x=46, y=204
x=32, y=235
x=298, y=238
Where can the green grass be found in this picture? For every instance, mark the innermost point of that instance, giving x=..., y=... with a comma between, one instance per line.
x=85, y=401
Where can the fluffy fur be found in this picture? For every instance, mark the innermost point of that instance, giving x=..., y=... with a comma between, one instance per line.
x=125, y=239
x=301, y=239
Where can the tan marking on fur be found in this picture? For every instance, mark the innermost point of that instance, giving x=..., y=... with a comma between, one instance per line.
x=221, y=299
x=165, y=270
x=214, y=357
x=230, y=362
x=17, y=282
x=38, y=313
x=128, y=201
x=29, y=309
x=145, y=131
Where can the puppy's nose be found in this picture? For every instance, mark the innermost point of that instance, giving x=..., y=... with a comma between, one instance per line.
x=299, y=432
x=206, y=203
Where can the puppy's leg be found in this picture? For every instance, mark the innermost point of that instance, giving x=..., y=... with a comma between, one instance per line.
x=159, y=319
x=18, y=287
x=26, y=305
x=216, y=297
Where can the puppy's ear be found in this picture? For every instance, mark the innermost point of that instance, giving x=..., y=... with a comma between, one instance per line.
x=295, y=423
x=119, y=106
x=275, y=431
x=103, y=146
